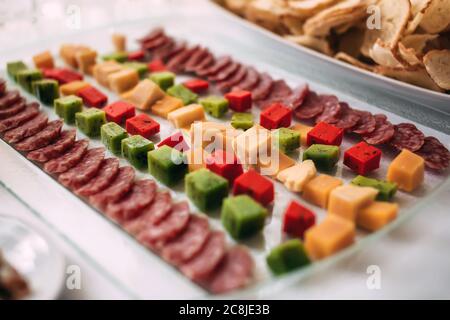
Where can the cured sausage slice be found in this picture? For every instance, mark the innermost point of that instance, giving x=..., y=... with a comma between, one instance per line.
x=176, y=49
x=65, y=141
x=310, y=108
x=83, y=172
x=141, y=195
x=297, y=97
x=195, y=59
x=117, y=190
x=9, y=98
x=12, y=110
x=153, y=44
x=177, y=62
x=435, y=154
x=221, y=63
x=31, y=110
x=28, y=129
x=366, y=123
x=43, y=138
x=407, y=136
x=69, y=159
x=250, y=81
x=164, y=50
x=107, y=173
x=2, y=87
x=207, y=62
x=189, y=243
x=152, y=35
x=235, y=271
x=264, y=87
x=346, y=119
x=279, y=93
x=225, y=73
x=331, y=109
x=228, y=83
x=384, y=131
x=205, y=262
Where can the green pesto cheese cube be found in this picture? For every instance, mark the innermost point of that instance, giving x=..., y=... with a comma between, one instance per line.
x=112, y=135
x=288, y=256
x=116, y=56
x=66, y=107
x=26, y=77
x=135, y=150
x=14, y=67
x=386, y=189
x=324, y=157
x=184, y=94
x=163, y=79
x=242, y=120
x=46, y=90
x=140, y=67
x=167, y=164
x=90, y=121
x=206, y=189
x=242, y=216
x=287, y=140
x=215, y=106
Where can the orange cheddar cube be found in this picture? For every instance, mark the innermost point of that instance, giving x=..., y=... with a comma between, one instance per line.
x=376, y=215
x=72, y=88
x=119, y=41
x=144, y=94
x=407, y=170
x=328, y=237
x=123, y=80
x=86, y=60
x=165, y=106
x=346, y=201
x=44, y=60
x=303, y=129
x=184, y=117
x=102, y=70
x=318, y=189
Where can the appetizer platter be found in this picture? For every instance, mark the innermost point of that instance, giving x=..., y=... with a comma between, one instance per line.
x=224, y=175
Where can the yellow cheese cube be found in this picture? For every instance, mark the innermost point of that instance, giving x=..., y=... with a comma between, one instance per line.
x=102, y=70
x=346, y=201
x=166, y=105
x=184, y=117
x=318, y=189
x=376, y=215
x=252, y=144
x=213, y=135
x=72, y=88
x=86, y=59
x=196, y=158
x=295, y=177
x=68, y=52
x=123, y=80
x=273, y=163
x=328, y=237
x=44, y=60
x=407, y=170
x=144, y=94
x=119, y=41
x=303, y=129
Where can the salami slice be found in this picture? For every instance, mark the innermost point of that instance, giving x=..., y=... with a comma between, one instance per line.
x=195, y=59
x=407, y=136
x=28, y=129
x=2, y=87
x=152, y=35
x=225, y=73
x=31, y=110
x=65, y=141
x=117, y=190
x=228, y=83
x=250, y=81
x=156, y=236
x=366, y=123
x=207, y=62
x=177, y=62
x=220, y=64
x=279, y=93
x=331, y=109
x=84, y=171
x=206, y=261
x=311, y=107
x=264, y=87
x=141, y=195
x=69, y=159
x=297, y=97
x=41, y=139
x=235, y=271
x=152, y=214
x=384, y=131
x=156, y=43
x=435, y=154
x=163, y=51
x=346, y=119
x=107, y=173
x=9, y=98
x=12, y=110
x=176, y=49
x=189, y=243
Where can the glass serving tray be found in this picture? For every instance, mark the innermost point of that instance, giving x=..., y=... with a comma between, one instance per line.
x=139, y=272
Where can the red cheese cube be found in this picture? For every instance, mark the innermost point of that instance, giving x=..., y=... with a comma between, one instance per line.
x=92, y=97
x=136, y=55
x=297, y=219
x=143, y=125
x=62, y=75
x=224, y=164
x=197, y=85
x=156, y=65
x=275, y=116
x=239, y=100
x=119, y=111
x=175, y=141
x=324, y=133
x=256, y=186
x=362, y=158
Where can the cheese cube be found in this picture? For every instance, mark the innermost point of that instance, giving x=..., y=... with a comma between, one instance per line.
x=376, y=215
x=252, y=144
x=207, y=135
x=123, y=80
x=328, y=237
x=72, y=88
x=101, y=71
x=119, y=42
x=196, y=159
x=166, y=105
x=44, y=60
x=318, y=189
x=184, y=117
x=295, y=177
x=86, y=59
x=144, y=94
x=303, y=129
x=68, y=52
x=407, y=170
x=273, y=163
x=346, y=201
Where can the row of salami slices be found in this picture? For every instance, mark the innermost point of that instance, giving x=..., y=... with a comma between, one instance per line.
x=150, y=215
x=309, y=106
